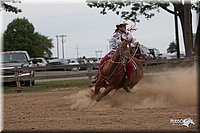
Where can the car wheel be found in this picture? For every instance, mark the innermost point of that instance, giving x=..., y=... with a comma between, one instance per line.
x=28, y=83
x=33, y=82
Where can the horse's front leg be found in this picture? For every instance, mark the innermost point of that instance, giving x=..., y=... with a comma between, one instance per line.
x=96, y=90
x=105, y=92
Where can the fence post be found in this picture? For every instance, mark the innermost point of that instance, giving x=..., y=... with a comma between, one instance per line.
x=17, y=79
x=89, y=71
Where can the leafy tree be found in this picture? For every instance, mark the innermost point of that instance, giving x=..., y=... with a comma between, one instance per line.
x=10, y=8
x=42, y=45
x=20, y=35
x=148, y=8
x=172, y=47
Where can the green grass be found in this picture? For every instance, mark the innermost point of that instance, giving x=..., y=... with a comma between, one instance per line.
x=66, y=82
x=52, y=86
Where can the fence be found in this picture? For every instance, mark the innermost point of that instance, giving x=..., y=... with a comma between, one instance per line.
x=89, y=67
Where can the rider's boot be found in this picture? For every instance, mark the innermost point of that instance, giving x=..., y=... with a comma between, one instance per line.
x=126, y=85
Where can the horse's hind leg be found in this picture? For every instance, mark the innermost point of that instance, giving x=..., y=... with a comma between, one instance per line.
x=112, y=92
x=105, y=92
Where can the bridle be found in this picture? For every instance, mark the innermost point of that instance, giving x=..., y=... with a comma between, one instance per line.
x=122, y=59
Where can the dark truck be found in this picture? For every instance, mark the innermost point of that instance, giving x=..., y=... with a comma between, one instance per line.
x=20, y=61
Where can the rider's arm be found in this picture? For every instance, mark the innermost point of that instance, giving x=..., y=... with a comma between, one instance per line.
x=133, y=42
x=115, y=40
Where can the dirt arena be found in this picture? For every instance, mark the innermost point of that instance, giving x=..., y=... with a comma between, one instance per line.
x=156, y=102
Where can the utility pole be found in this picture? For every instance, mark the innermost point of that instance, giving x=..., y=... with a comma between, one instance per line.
x=100, y=52
x=96, y=53
x=77, y=50
x=62, y=36
x=57, y=47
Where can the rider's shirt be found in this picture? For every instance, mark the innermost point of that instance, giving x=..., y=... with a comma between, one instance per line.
x=117, y=38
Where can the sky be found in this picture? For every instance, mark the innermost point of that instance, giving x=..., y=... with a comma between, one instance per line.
x=87, y=31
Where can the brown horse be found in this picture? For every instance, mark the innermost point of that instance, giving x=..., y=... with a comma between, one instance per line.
x=112, y=73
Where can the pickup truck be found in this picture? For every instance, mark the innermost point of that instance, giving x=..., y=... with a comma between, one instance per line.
x=20, y=61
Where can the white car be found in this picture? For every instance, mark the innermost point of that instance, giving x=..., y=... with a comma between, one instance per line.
x=40, y=61
x=73, y=61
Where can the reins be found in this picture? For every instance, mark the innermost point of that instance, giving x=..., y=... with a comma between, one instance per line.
x=135, y=51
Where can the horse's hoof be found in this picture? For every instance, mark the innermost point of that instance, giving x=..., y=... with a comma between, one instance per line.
x=128, y=89
x=133, y=92
x=93, y=103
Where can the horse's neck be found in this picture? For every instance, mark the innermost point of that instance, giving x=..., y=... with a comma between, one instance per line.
x=115, y=58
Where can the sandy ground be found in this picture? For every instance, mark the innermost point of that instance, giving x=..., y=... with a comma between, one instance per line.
x=155, y=105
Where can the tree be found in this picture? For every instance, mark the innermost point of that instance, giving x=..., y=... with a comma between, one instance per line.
x=147, y=9
x=9, y=8
x=172, y=47
x=20, y=35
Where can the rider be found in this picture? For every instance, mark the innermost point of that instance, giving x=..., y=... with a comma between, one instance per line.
x=121, y=34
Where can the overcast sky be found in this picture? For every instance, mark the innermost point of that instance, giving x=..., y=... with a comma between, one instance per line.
x=88, y=29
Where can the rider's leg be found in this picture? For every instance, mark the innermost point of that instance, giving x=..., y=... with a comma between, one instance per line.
x=104, y=59
x=126, y=84
x=128, y=76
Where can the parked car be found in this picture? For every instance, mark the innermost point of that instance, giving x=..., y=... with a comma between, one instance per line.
x=73, y=61
x=20, y=60
x=83, y=63
x=95, y=62
x=162, y=56
x=155, y=52
x=40, y=61
x=141, y=53
x=174, y=55
x=57, y=62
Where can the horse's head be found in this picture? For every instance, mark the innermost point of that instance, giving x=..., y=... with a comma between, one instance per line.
x=123, y=52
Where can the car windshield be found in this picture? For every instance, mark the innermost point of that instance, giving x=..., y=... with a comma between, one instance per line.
x=14, y=57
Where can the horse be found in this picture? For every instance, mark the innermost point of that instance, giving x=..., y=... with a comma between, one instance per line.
x=111, y=74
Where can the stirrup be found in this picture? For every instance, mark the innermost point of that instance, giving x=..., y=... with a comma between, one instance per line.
x=108, y=83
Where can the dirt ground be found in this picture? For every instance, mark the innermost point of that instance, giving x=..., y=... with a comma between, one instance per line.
x=155, y=104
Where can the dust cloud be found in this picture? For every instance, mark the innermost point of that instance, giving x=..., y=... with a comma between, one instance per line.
x=177, y=87
x=80, y=100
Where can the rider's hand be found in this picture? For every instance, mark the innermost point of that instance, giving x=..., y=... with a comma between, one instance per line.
x=137, y=44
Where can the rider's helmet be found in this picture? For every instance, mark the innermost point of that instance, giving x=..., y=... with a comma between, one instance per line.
x=121, y=23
